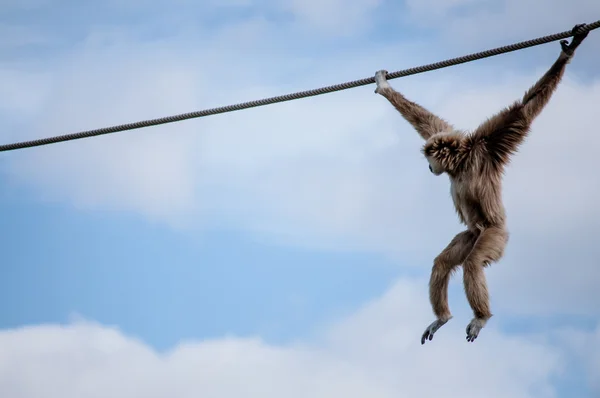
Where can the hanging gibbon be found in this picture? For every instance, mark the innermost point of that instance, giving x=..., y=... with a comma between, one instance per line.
x=475, y=163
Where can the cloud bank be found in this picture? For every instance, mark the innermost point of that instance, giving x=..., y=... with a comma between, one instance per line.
x=374, y=352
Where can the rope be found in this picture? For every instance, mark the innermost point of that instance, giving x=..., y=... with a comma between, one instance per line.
x=301, y=94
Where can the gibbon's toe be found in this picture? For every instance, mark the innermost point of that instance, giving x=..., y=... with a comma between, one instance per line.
x=426, y=336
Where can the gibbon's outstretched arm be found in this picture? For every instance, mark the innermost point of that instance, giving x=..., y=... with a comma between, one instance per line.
x=425, y=122
x=538, y=96
x=504, y=132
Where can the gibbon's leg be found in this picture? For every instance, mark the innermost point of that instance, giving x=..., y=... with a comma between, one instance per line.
x=425, y=122
x=488, y=248
x=443, y=265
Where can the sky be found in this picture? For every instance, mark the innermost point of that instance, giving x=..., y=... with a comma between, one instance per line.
x=284, y=250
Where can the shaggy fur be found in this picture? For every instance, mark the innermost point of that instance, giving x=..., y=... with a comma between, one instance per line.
x=475, y=164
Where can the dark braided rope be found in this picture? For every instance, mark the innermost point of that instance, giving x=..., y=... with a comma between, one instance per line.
x=301, y=94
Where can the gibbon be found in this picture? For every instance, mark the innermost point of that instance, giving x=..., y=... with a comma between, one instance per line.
x=475, y=164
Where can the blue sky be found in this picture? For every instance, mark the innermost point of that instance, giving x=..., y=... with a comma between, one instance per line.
x=125, y=271
x=298, y=236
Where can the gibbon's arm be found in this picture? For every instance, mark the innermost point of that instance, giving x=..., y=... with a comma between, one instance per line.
x=505, y=131
x=538, y=96
x=425, y=122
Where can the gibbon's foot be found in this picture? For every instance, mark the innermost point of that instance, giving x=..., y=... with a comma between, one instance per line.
x=380, y=80
x=431, y=329
x=569, y=49
x=474, y=327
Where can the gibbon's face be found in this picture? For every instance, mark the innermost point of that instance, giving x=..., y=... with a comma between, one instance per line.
x=434, y=166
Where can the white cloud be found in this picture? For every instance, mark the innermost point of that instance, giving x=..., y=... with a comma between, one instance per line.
x=333, y=16
x=500, y=21
x=375, y=352
x=436, y=10
x=491, y=15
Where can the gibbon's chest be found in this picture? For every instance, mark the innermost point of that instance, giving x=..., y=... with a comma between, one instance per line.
x=461, y=191
x=464, y=195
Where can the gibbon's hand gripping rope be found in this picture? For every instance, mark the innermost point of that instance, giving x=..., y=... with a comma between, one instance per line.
x=301, y=94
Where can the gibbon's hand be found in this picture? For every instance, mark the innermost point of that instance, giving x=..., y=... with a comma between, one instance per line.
x=381, y=80
x=569, y=49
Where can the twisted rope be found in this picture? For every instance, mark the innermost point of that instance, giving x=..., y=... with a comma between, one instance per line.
x=301, y=94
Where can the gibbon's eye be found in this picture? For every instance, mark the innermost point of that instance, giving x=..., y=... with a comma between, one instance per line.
x=430, y=168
